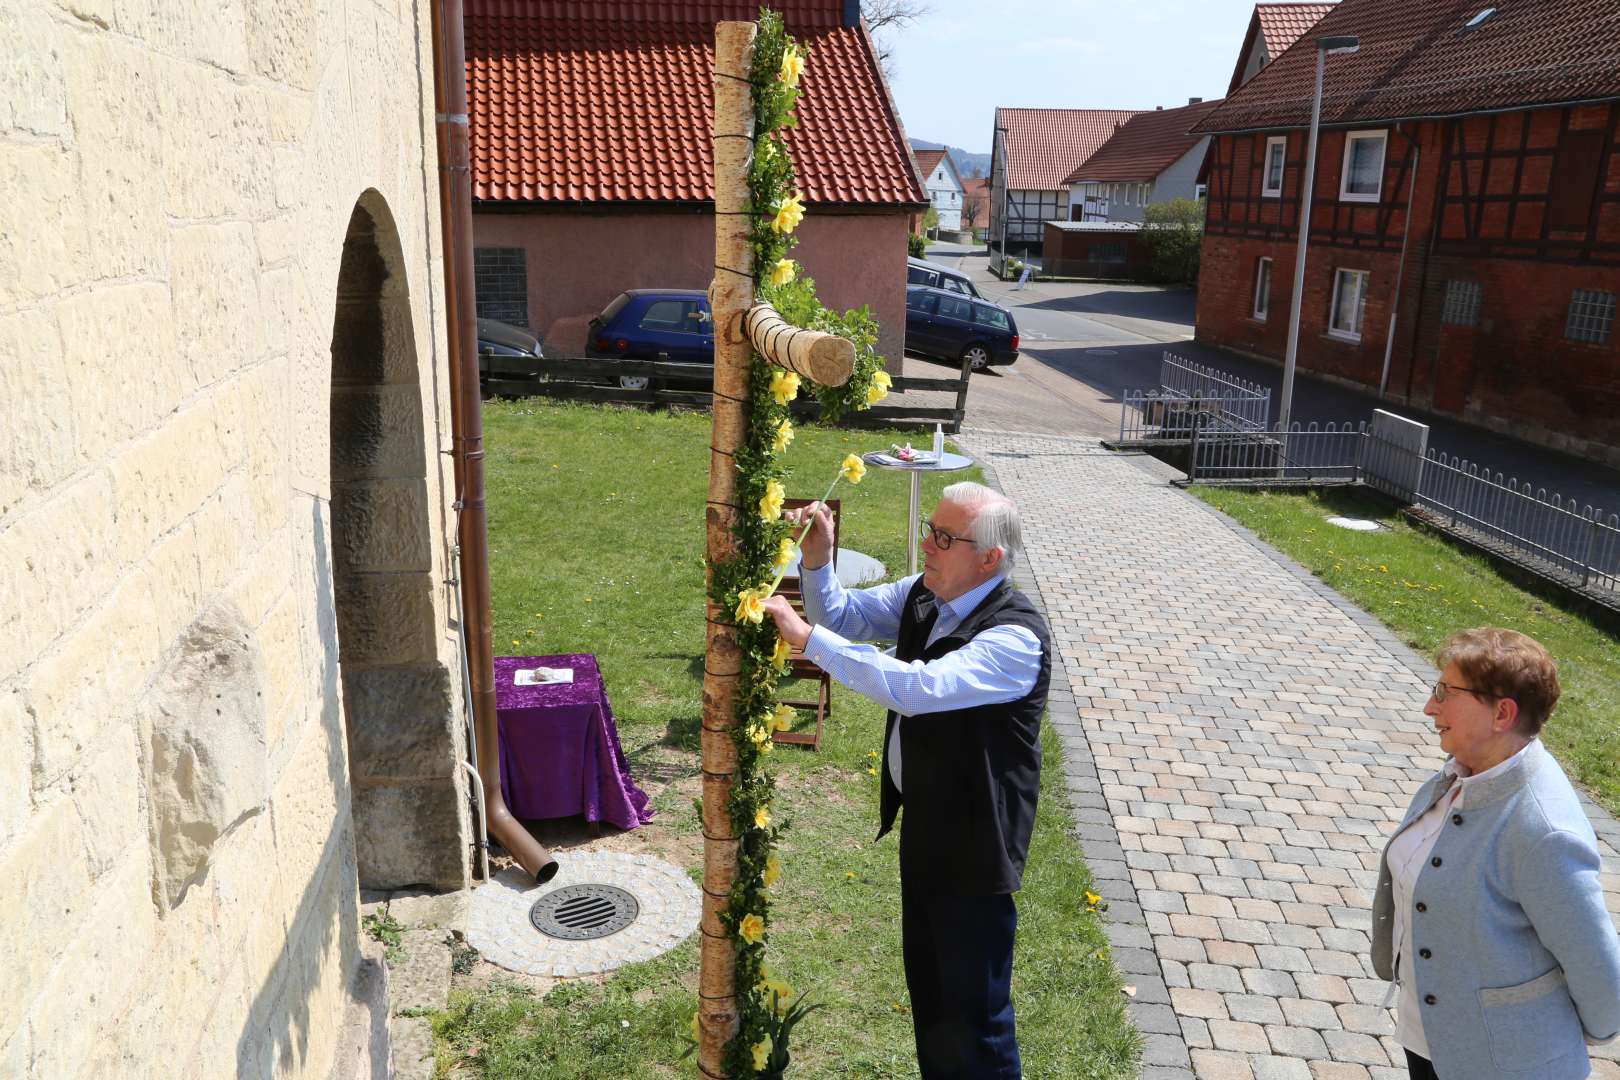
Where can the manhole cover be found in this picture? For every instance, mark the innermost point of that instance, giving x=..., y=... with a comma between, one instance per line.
x=582, y=912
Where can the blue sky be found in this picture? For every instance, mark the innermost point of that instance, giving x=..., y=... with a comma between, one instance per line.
x=956, y=64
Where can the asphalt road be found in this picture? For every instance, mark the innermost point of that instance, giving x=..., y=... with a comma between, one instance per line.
x=1084, y=343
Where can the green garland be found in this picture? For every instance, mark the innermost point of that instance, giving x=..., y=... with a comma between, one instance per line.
x=764, y=543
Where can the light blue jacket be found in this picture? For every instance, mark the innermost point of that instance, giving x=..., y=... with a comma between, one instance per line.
x=1518, y=961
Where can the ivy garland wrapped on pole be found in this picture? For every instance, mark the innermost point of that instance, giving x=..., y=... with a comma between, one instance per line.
x=770, y=333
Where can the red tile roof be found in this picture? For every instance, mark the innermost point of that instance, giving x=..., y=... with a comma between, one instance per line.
x=1283, y=24
x=1046, y=145
x=1272, y=28
x=1146, y=145
x=1416, y=59
x=609, y=101
x=927, y=160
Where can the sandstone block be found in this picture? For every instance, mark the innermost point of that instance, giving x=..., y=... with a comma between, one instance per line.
x=112, y=97
x=107, y=796
x=402, y=723
x=107, y=334
x=37, y=442
x=16, y=760
x=207, y=769
x=161, y=480
x=379, y=432
x=386, y=618
x=381, y=525
x=33, y=93
x=420, y=977
x=45, y=893
x=45, y=249
x=412, y=834
x=309, y=817
x=287, y=673
x=200, y=109
x=97, y=969
x=214, y=277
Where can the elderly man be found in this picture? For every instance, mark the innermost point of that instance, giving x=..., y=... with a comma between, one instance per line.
x=965, y=688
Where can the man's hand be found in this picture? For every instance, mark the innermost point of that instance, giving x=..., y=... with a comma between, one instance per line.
x=818, y=542
x=794, y=630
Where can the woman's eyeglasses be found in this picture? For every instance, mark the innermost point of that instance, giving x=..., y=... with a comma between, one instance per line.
x=1441, y=689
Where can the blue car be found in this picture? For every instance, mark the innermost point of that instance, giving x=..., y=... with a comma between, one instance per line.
x=653, y=324
x=950, y=326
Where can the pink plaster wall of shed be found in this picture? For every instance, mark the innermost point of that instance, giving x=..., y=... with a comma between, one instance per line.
x=577, y=262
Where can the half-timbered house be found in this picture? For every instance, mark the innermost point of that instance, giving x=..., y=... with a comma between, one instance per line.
x=1032, y=154
x=1464, y=248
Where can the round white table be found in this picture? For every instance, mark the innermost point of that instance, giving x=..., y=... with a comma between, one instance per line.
x=947, y=462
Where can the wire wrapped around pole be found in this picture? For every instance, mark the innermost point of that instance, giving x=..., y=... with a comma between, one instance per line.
x=824, y=358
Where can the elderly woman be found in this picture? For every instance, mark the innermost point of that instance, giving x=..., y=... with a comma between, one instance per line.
x=1489, y=914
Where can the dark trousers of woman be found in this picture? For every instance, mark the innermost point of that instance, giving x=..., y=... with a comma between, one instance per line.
x=958, y=954
x=1420, y=1068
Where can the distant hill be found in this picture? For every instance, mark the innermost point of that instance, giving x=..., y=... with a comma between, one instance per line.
x=966, y=164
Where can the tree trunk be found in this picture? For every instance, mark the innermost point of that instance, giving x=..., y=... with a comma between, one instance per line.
x=730, y=296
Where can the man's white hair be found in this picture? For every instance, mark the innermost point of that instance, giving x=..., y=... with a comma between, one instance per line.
x=995, y=521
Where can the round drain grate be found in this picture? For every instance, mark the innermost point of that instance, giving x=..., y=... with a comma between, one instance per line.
x=583, y=912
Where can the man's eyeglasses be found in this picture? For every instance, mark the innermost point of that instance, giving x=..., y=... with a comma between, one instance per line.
x=942, y=539
x=1441, y=689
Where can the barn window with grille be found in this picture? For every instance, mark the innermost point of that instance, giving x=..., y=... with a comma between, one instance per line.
x=1108, y=251
x=1262, y=289
x=501, y=282
x=1591, y=316
x=1462, y=304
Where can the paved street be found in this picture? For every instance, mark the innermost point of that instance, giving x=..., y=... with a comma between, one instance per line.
x=1084, y=343
x=1239, y=740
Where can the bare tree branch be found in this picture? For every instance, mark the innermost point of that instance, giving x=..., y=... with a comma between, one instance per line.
x=886, y=17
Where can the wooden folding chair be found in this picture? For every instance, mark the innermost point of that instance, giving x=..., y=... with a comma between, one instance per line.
x=799, y=665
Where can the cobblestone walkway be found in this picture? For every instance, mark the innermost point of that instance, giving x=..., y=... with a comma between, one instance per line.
x=1239, y=741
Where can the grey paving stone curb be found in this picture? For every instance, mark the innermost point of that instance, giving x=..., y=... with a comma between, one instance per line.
x=1165, y=1053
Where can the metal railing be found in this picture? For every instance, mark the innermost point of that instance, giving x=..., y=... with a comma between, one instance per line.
x=1251, y=402
x=1158, y=414
x=1575, y=543
x=1308, y=453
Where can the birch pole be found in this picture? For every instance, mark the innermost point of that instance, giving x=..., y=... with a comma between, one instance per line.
x=730, y=295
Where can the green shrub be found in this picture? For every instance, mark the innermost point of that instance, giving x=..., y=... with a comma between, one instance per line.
x=1174, y=233
x=916, y=245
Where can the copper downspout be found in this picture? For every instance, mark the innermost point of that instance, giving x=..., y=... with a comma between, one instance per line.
x=467, y=424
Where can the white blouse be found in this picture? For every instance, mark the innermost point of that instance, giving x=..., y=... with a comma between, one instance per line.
x=1407, y=854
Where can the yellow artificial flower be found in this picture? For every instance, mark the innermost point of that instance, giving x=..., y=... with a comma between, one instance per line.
x=879, y=388
x=783, y=272
x=781, y=654
x=762, y=1053
x=760, y=734
x=784, y=554
x=751, y=605
x=784, y=388
x=751, y=929
x=789, y=212
x=853, y=469
x=770, y=503
x=792, y=66
x=697, y=1028
x=784, y=433
x=762, y=817
x=773, y=873
x=783, y=718
x=783, y=992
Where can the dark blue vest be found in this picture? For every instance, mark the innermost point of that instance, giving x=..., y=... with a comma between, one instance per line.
x=972, y=775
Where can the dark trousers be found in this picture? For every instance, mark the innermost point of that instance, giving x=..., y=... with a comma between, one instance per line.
x=1420, y=1068
x=958, y=954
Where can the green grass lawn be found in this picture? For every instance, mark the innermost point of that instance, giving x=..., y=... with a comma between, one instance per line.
x=596, y=533
x=1426, y=589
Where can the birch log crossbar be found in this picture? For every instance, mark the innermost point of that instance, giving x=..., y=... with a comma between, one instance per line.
x=824, y=358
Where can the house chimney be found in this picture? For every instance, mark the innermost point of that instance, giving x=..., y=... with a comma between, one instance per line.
x=1194, y=100
x=1158, y=108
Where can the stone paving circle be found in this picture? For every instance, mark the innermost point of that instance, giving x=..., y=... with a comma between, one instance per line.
x=498, y=923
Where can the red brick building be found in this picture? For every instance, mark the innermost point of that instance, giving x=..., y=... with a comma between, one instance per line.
x=1464, y=249
x=592, y=170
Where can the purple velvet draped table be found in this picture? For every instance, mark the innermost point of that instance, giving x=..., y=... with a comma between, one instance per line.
x=560, y=753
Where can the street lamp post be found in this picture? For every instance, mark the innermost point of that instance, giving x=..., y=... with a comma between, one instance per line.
x=1324, y=45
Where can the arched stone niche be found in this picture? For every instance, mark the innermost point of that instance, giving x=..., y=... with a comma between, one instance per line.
x=404, y=735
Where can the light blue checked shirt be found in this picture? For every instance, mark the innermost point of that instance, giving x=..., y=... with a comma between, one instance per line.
x=1000, y=664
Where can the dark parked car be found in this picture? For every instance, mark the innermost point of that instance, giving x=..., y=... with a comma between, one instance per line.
x=506, y=351
x=956, y=327
x=923, y=272
x=653, y=324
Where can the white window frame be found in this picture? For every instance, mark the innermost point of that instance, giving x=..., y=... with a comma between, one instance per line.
x=1350, y=139
x=1262, y=297
x=1266, y=191
x=1339, y=277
